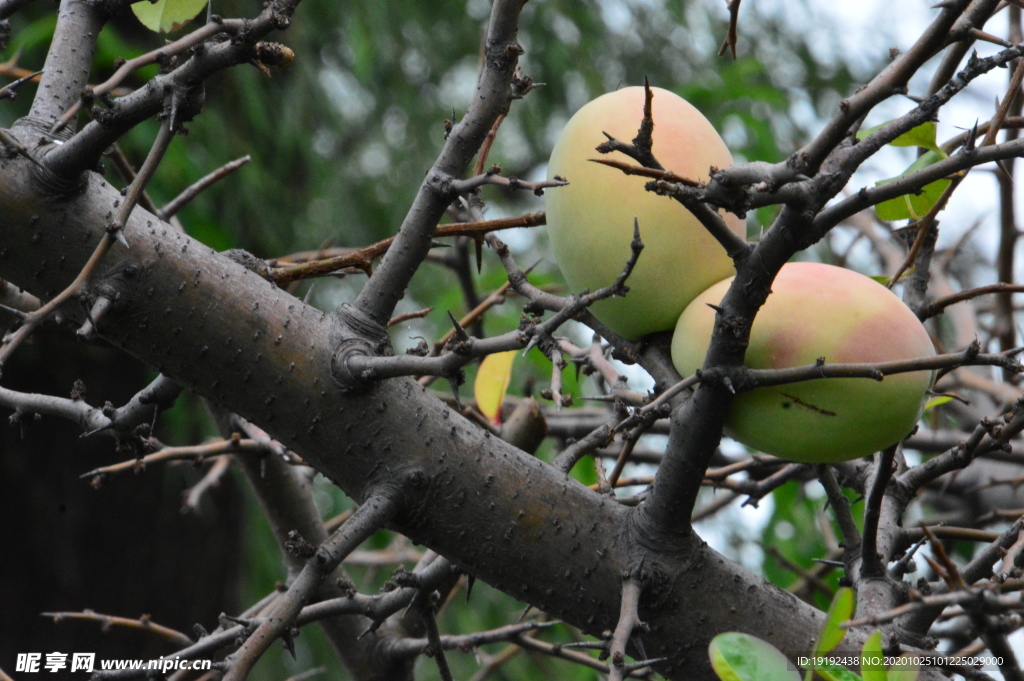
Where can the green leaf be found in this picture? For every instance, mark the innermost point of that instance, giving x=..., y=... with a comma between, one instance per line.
x=167, y=16
x=839, y=612
x=937, y=401
x=834, y=672
x=914, y=206
x=904, y=669
x=872, y=664
x=883, y=280
x=922, y=136
x=739, y=657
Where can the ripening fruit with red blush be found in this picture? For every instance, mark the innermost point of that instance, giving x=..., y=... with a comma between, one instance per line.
x=590, y=221
x=815, y=311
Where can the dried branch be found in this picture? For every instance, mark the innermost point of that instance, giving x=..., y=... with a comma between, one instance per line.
x=412, y=647
x=755, y=490
x=840, y=506
x=987, y=436
x=806, y=577
x=418, y=314
x=570, y=456
x=196, y=453
x=9, y=91
x=127, y=172
x=627, y=350
x=194, y=495
x=938, y=306
x=493, y=177
x=893, y=78
x=373, y=368
x=107, y=622
x=434, y=647
x=681, y=189
x=713, y=507
x=314, y=263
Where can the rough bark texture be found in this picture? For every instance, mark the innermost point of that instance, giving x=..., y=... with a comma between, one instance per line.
x=504, y=516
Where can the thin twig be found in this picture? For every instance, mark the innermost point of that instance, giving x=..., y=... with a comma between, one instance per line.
x=177, y=47
x=196, y=453
x=936, y=307
x=312, y=265
x=730, y=39
x=108, y=621
x=199, y=187
x=367, y=519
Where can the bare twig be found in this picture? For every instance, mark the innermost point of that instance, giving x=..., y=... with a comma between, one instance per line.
x=938, y=306
x=212, y=479
x=840, y=506
x=200, y=186
x=314, y=265
x=107, y=622
x=177, y=47
x=196, y=453
x=730, y=38
x=113, y=233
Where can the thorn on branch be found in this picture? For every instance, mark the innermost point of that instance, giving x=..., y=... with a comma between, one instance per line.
x=460, y=333
x=8, y=91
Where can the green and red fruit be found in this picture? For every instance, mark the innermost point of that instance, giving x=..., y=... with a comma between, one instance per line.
x=590, y=221
x=815, y=311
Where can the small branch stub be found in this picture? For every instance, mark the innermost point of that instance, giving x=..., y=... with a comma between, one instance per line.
x=358, y=336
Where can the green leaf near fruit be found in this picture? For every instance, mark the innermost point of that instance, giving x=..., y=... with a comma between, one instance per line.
x=922, y=136
x=834, y=672
x=739, y=657
x=905, y=669
x=167, y=16
x=916, y=205
x=937, y=402
x=872, y=667
x=839, y=612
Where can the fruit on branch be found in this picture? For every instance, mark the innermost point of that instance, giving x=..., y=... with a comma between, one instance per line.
x=815, y=311
x=590, y=221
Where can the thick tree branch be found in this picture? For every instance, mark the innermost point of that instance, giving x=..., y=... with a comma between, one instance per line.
x=493, y=97
x=206, y=312
x=69, y=60
x=83, y=150
x=371, y=516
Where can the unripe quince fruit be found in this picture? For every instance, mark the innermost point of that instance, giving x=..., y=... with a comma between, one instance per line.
x=815, y=311
x=590, y=221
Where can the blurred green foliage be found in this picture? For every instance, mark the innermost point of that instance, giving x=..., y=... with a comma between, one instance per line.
x=340, y=142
